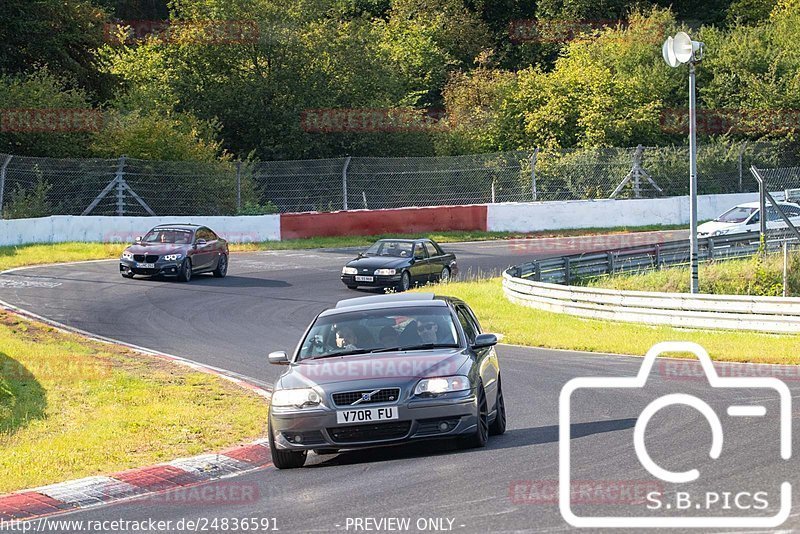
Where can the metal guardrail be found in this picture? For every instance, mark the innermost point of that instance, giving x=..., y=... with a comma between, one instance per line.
x=568, y=269
x=545, y=285
x=683, y=310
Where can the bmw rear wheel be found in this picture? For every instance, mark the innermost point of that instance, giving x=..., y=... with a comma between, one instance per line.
x=444, y=276
x=185, y=274
x=283, y=459
x=222, y=266
x=405, y=282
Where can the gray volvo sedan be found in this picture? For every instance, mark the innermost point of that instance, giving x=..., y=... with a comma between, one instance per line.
x=383, y=370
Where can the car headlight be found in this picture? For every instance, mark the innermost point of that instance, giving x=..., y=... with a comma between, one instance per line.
x=385, y=272
x=173, y=257
x=298, y=398
x=442, y=384
x=127, y=255
x=349, y=270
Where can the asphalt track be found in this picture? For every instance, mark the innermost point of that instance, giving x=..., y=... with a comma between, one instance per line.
x=268, y=299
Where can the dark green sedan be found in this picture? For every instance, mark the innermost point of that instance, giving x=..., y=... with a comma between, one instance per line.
x=400, y=264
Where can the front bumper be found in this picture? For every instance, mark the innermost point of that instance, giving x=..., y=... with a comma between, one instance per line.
x=162, y=268
x=417, y=420
x=377, y=281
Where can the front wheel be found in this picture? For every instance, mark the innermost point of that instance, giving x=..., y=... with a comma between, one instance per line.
x=185, y=274
x=498, y=426
x=222, y=266
x=283, y=459
x=405, y=282
x=481, y=435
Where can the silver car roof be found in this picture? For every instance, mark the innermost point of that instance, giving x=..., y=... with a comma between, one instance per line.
x=398, y=300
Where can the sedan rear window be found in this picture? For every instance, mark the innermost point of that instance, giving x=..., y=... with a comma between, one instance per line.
x=380, y=330
x=738, y=214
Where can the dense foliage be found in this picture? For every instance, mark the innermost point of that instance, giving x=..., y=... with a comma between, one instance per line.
x=224, y=79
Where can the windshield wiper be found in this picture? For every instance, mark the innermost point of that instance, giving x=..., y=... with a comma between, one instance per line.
x=343, y=353
x=422, y=346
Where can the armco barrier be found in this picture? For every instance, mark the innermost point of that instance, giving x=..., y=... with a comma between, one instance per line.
x=731, y=312
x=391, y=221
x=64, y=228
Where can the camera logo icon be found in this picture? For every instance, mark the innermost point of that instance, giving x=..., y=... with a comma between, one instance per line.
x=714, y=421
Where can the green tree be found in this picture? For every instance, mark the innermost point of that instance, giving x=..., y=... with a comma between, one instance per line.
x=155, y=137
x=43, y=90
x=59, y=34
x=607, y=89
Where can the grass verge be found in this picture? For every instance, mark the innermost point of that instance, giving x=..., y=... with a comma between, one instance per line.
x=24, y=255
x=71, y=407
x=753, y=276
x=521, y=325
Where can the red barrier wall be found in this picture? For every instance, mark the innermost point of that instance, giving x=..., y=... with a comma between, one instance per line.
x=394, y=221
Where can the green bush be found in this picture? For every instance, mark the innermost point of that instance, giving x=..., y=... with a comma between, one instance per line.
x=757, y=276
x=254, y=208
x=29, y=203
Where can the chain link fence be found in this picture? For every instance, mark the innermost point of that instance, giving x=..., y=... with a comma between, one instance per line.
x=34, y=187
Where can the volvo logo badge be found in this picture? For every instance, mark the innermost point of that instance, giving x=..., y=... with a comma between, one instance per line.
x=365, y=397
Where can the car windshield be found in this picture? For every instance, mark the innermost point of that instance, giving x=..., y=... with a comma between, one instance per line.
x=738, y=214
x=174, y=236
x=377, y=331
x=398, y=249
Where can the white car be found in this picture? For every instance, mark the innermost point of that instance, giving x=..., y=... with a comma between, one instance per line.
x=746, y=218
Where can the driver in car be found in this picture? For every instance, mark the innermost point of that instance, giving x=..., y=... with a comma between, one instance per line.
x=428, y=331
x=346, y=338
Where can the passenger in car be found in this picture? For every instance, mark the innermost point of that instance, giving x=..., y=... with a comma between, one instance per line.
x=388, y=337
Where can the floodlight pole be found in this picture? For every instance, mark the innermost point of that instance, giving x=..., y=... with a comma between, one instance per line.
x=693, y=254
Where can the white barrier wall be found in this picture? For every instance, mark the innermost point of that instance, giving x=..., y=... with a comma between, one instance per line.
x=511, y=217
x=534, y=216
x=64, y=228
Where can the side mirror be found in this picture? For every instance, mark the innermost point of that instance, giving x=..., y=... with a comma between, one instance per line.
x=138, y=239
x=279, y=357
x=484, y=341
x=360, y=254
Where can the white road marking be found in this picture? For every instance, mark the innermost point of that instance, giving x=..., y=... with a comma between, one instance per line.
x=45, y=283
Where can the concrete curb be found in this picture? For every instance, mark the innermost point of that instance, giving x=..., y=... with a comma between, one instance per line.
x=140, y=482
x=136, y=483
